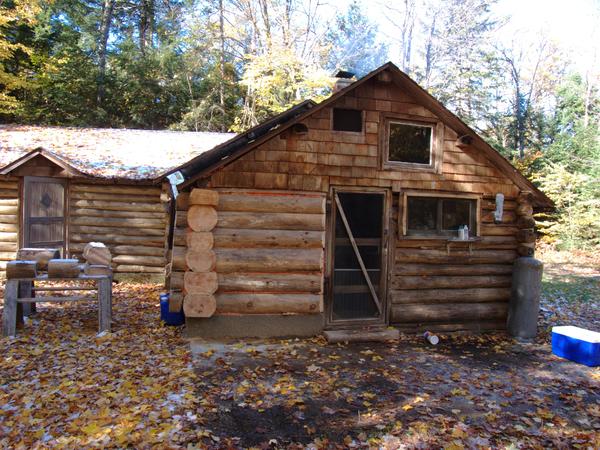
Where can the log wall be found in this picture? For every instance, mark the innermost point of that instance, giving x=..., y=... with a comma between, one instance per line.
x=9, y=220
x=269, y=252
x=455, y=286
x=130, y=220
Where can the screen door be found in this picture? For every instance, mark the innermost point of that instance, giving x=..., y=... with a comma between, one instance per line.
x=358, y=258
x=44, y=213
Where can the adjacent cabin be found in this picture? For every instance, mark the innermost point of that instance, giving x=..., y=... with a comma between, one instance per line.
x=350, y=213
x=65, y=187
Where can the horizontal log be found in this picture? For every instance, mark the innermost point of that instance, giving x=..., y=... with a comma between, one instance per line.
x=231, y=238
x=137, y=250
x=199, y=240
x=271, y=282
x=489, y=204
x=178, y=259
x=176, y=280
x=88, y=212
x=118, y=222
x=8, y=237
x=117, y=206
x=21, y=269
x=498, y=230
x=200, y=260
x=448, y=312
x=201, y=218
x=9, y=201
x=9, y=210
x=199, y=305
x=180, y=236
x=268, y=303
x=455, y=256
x=181, y=219
x=40, y=255
x=183, y=201
x=499, y=242
x=201, y=283
x=150, y=261
x=476, y=326
x=205, y=197
x=455, y=282
x=123, y=231
x=432, y=296
x=507, y=217
x=272, y=221
x=64, y=268
x=452, y=269
x=110, y=197
x=268, y=260
x=5, y=184
x=272, y=203
x=8, y=246
x=115, y=239
x=7, y=256
x=116, y=189
x=9, y=218
x=9, y=227
x=128, y=268
x=9, y=193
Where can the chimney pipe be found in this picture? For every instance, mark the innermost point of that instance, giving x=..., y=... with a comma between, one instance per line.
x=343, y=80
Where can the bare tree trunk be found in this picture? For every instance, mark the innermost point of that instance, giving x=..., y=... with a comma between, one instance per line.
x=222, y=64
x=107, y=15
x=146, y=23
x=429, y=52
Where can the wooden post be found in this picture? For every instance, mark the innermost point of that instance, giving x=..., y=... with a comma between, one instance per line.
x=104, y=304
x=9, y=316
x=26, y=291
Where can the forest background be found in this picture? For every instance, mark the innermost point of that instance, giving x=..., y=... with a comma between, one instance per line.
x=226, y=65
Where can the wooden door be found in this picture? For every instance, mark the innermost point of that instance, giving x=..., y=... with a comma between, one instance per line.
x=44, y=202
x=358, y=272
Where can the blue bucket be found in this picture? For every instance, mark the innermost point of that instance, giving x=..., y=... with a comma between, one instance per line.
x=170, y=318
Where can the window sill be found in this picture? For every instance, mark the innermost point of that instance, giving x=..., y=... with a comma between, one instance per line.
x=440, y=238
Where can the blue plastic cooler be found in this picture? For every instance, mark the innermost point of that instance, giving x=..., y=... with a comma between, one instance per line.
x=576, y=344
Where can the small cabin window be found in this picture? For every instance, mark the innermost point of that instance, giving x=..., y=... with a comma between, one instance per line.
x=347, y=120
x=410, y=143
x=438, y=216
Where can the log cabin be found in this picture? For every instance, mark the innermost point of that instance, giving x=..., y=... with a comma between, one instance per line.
x=65, y=187
x=350, y=214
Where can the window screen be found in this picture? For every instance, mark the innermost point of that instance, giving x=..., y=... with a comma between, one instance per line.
x=347, y=120
x=440, y=216
x=409, y=143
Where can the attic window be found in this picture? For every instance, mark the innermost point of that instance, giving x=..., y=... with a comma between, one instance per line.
x=347, y=120
x=409, y=143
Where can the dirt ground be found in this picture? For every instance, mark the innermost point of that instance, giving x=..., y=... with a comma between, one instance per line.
x=143, y=386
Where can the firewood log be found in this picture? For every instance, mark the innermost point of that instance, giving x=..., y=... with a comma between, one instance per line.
x=21, y=269
x=40, y=255
x=63, y=268
x=96, y=253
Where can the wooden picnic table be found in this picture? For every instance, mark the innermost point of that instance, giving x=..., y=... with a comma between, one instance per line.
x=19, y=292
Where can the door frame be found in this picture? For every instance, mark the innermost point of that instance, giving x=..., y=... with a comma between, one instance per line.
x=383, y=319
x=25, y=212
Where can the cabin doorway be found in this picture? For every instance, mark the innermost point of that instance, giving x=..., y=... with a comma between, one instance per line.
x=358, y=257
x=44, y=201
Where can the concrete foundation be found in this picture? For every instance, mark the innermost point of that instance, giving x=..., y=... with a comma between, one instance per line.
x=254, y=326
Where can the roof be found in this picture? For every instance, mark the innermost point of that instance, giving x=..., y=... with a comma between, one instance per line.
x=224, y=151
x=230, y=153
x=105, y=153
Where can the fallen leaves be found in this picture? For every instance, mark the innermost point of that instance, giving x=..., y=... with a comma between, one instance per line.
x=62, y=385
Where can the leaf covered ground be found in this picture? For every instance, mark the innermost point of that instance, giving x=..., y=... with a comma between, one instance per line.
x=143, y=386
